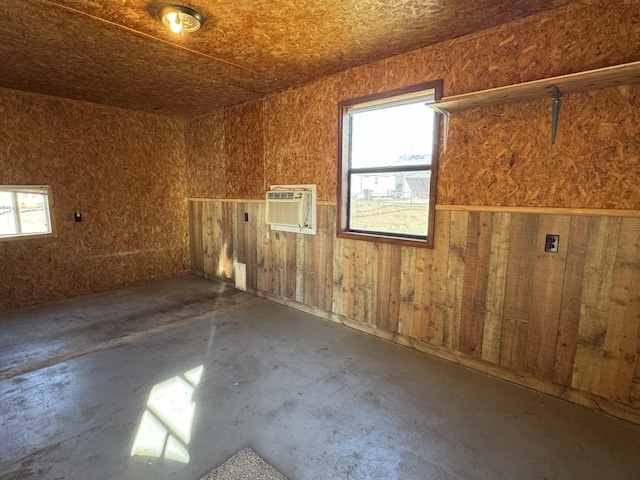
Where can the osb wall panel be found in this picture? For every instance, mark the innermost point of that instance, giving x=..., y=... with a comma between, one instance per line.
x=509, y=159
x=124, y=171
x=245, y=155
x=225, y=153
x=300, y=125
x=301, y=137
x=206, y=161
x=486, y=296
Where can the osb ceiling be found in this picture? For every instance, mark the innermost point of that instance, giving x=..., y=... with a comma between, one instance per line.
x=118, y=53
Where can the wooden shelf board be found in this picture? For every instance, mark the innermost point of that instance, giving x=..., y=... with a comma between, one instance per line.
x=627, y=73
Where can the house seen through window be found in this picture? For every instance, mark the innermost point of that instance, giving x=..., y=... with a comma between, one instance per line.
x=24, y=210
x=388, y=166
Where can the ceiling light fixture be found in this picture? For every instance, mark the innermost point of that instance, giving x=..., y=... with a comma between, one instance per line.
x=181, y=19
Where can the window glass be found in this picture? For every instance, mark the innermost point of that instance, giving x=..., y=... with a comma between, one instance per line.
x=7, y=214
x=388, y=165
x=24, y=210
x=392, y=136
x=396, y=203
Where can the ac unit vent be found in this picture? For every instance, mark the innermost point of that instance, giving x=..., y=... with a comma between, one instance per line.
x=284, y=195
x=292, y=208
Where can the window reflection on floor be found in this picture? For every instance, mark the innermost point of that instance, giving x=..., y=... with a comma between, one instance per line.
x=165, y=427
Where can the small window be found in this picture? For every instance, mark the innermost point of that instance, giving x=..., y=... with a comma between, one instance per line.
x=387, y=166
x=24, y=211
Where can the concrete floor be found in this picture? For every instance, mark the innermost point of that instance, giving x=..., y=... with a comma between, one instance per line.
x=315, y=399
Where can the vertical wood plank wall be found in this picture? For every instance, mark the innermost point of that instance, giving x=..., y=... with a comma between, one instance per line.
x=487, y=296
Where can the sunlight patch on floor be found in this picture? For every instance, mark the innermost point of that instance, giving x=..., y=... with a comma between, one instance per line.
x=166, y=424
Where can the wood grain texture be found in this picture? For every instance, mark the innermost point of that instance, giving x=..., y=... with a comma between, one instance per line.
x=500, y=155
x=570, y=308
x=548, y=280
x=474, y=293
x=206, y=156
x=124, y=171
x=497, y=272
x=435, y=335
x=546, y=321
x=596, y=294
x=620, y=356
x=487, y=295
x=122, y=55
x=244, y=156
x=515, y=163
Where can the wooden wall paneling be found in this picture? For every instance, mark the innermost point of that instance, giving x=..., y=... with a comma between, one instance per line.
x=364, y=294
x=422, y=295
x=455, y=279
x=270, y=262
x=388, y=279
x=383, y=281
x=307, y=270
x=621, y=342
x=227, y=253
x=244, y=240
x=210, y=242
x=330, y=235
x=548, y=280
x=337, y=276
x=300, y=272
x=571, y=300
x=439, y=272
x=196, y=236
x=348, y=277
x=291, y=265
x=263, y=259
x=596, y=294
x=315, y=266
x=360, y=287
x=474, y=294
x=251, y=244
x=319, y=258
x=239, y=233
x=580, y=330
x=395, y=288
x=310, y=269
x=372, y=287
x=407, y=290
x=518, y=290
x=278, y=265
x=634, y=389
x=497, y=272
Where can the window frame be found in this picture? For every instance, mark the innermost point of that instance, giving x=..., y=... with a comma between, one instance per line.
x=344, y=147
x=33, y=189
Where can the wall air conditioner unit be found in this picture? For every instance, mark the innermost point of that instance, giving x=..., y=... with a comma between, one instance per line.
x=292, y=208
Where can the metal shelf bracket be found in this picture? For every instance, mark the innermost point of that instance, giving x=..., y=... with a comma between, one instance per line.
x=555, y=112
x=447, y=118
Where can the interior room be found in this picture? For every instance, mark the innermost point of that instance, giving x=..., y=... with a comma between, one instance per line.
x=156, y=320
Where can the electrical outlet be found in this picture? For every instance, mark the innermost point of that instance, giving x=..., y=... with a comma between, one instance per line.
x=551, y=243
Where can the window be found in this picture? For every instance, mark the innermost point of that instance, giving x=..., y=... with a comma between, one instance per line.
x=24, y=211
x=388, y=165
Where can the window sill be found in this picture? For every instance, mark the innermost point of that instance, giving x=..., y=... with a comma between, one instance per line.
x=390, y=239
x=27, y=237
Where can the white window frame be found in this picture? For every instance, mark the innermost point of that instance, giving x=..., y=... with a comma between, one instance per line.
x=14, y=190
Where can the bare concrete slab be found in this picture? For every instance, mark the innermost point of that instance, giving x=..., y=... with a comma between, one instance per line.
x=314, y=399
x=66, y=329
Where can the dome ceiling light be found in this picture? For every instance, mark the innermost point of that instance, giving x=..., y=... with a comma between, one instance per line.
x=181, y=19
